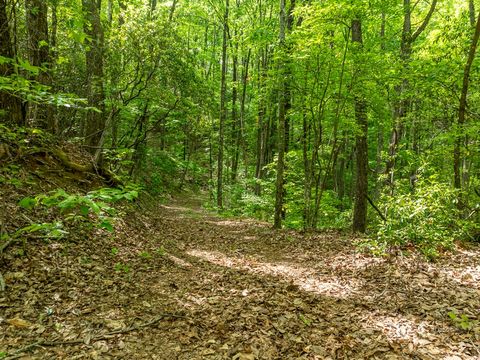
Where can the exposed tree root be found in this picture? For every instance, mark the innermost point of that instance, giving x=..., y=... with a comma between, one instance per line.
x=61, y=156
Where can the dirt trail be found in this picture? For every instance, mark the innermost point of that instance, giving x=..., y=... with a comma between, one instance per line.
x=237, y=290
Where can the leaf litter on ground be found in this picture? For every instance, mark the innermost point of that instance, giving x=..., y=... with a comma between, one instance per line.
x=233, y=289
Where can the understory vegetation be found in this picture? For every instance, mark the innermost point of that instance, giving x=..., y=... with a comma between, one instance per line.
x=325, y=115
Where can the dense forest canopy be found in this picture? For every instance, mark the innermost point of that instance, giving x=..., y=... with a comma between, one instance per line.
x=310, y=114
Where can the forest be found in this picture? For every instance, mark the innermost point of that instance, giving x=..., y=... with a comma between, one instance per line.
x=286, y=160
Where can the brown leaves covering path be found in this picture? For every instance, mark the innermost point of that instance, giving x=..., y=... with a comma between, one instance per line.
x=245, y=291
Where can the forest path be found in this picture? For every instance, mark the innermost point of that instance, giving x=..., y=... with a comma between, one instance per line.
x=241, y=291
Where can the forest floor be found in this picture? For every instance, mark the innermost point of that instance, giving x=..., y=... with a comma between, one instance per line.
x=176, y=282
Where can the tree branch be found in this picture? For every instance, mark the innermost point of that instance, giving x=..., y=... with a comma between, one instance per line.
x=376, y=209
x=426, y=21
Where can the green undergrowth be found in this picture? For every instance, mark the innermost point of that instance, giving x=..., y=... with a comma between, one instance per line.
x=425, y=219
x=68, y=212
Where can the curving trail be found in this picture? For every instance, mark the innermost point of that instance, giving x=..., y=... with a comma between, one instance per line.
x=238, y=290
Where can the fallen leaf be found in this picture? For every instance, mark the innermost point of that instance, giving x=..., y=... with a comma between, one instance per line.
x=244, y=356
x=17, y=322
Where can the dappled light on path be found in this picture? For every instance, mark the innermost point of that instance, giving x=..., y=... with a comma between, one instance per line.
x=467, y=276
x=414, y=336
x=400, y=328
x=304, y=278
x=244, y=291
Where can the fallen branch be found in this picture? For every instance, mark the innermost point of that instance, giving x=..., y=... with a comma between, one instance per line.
x=18, y=354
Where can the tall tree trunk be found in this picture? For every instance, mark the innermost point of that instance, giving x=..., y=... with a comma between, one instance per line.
x=471, y=12
x=235, y=122
x=110, y=12
x=361, y=148
x=123, y=8
x=340, y=175
x=282, y=101
x=54, y=28
x=402, y=103
x=95, y=122
x=223, y=109
x=38, y=50
x=459, y=134
x=261, y=123
x=287, y=75
x=54, y=125
x=10, y=106
x=307, y=185
x=172, y=10
x=380, y=126
x=243, y=145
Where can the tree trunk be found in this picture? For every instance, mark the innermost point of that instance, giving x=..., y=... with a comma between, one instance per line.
x=471, y=12
x=361, y=148
x=402, y=103
x=223, y=109
x=10, y=106
x=123, y=8
x=307, y=185
x=172, y=10
x=39, y=115
x=459, y=134
x=282, y=101
x=243, y=145
x=54, y=28
x=235, y=123
x=261, y=133
x=95, y=122
x=287, y=75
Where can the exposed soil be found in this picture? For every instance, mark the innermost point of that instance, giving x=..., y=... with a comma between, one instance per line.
x=175, y=282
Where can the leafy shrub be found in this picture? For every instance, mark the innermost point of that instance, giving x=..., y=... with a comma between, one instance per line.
x=333, y=213
x=256, y=206
x=92, y=208
x=424, y=218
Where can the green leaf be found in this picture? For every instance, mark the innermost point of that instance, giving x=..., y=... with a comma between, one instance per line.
x=69, y=203
x=84, y=210
x=27, y=203
x=28, y=67
x=131, y=195
x=106, y=225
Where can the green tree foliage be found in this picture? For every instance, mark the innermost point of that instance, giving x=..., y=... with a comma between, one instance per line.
x=162, y=86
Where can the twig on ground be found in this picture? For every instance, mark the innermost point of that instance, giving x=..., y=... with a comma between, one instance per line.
x=2, y=283
x=6, y=244
x=17, y=354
